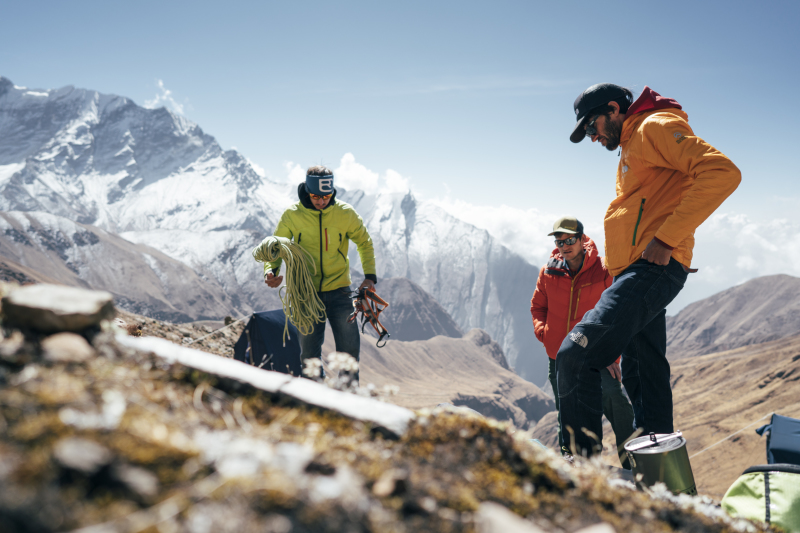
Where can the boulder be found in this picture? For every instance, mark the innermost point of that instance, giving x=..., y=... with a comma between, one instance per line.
x=67, y=348
x=57, y=308
x=82, y=455
x=495, y=518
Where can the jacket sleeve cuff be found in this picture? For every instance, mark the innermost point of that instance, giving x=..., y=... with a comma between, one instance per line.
x=662, y=243
x=372, y=277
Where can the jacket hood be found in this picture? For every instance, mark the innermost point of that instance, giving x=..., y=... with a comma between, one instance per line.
x=305, y=197
x=648, y=103
x=650, y=100
x=557, y=260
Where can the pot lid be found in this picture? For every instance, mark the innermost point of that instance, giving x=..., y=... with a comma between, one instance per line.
x=656, y=443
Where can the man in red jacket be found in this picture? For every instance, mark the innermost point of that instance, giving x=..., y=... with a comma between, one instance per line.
x=568, y=286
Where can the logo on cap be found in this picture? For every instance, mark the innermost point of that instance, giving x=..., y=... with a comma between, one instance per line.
x=326, y=184
x=677, y=134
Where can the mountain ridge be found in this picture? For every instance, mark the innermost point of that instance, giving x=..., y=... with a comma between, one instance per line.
x=757, y=311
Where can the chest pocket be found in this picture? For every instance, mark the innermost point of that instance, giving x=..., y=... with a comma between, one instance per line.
x=628, y=173
x=334, y=243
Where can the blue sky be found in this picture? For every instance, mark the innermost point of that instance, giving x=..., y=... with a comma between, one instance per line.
x=471, y=102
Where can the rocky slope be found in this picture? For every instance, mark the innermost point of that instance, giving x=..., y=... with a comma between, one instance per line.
x=124, y=435
x=760, y=310
x=157, y=179
x=718, y=394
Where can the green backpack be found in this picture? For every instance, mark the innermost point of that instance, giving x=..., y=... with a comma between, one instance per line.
x=768, y=493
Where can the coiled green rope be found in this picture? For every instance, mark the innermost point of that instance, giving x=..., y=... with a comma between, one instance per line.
x=301, y=304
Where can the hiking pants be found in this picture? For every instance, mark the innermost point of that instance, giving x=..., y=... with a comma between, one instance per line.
x=616, y=407
x=338, y=308
x=629, y=319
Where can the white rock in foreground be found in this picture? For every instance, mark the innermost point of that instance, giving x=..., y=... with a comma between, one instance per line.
x=57, y=308
x=494, y=518
x=390, y=417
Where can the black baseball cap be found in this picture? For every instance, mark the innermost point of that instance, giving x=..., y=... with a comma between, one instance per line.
x=591, y=98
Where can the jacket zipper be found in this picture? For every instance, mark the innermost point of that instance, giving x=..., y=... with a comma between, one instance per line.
x=577, y=305
x=299, y=238
x=569, y=312
x=326, y=239
x=321, y=271
x=636, y=228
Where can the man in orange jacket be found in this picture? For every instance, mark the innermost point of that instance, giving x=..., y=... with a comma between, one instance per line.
x=668, y=182
x=569, y=285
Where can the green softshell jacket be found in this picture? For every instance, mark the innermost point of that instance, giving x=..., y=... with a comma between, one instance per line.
x=326, y=235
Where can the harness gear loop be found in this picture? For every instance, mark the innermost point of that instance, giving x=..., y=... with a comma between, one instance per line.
x=370, y=305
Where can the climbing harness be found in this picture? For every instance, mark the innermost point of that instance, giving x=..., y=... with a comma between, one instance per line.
x=301, y=303
x=370, y=305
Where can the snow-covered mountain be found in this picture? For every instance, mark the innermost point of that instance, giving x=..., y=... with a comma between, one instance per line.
x=480, y=282
x=142, y=279
x=157, y=179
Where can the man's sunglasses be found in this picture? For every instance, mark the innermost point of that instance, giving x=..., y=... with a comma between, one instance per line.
x=590, y=128
x=561, y=242
x=317, y=197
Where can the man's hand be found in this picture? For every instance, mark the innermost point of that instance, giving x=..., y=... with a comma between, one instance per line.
x=272, y=281
x=367, y=283
x=616, y=373
x=655, y=253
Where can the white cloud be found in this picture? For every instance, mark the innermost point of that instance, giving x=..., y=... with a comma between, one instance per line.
x=352, y=175
x=258, y=168
x=164, y=98
x=733, y=248
x=294, y=172
x=395, y=182
x=522, y=230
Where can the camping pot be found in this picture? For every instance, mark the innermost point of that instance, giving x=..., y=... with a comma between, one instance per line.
x=661, y=457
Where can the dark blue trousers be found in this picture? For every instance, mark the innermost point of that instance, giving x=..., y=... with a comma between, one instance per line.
x=630, y=320
x=338, y=308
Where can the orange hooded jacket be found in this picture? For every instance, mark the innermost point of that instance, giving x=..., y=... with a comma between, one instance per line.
x=560, y=300
x=669, y=181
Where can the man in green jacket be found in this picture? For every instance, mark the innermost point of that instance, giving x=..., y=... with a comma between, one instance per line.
x=324, y=226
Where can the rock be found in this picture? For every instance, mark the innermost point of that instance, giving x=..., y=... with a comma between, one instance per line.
x=481, y=338
x=392, y=482
x=67, y=348
x=12, y=348
x=598, y=528
x=393, y=419
x=141, y=482
x=85, y=456
x=494, y=518
x=57, y=308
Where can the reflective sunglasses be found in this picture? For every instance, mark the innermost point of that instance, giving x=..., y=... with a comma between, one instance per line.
x=590, y=129
x=561, y=242
x=317, y=197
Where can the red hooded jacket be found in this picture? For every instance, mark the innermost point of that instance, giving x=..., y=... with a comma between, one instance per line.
x=560, y=300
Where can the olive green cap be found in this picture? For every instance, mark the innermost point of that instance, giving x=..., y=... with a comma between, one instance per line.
x=569, y=225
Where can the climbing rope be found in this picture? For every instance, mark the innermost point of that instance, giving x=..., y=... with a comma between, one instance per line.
x=301, y=304
x=732, y=434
